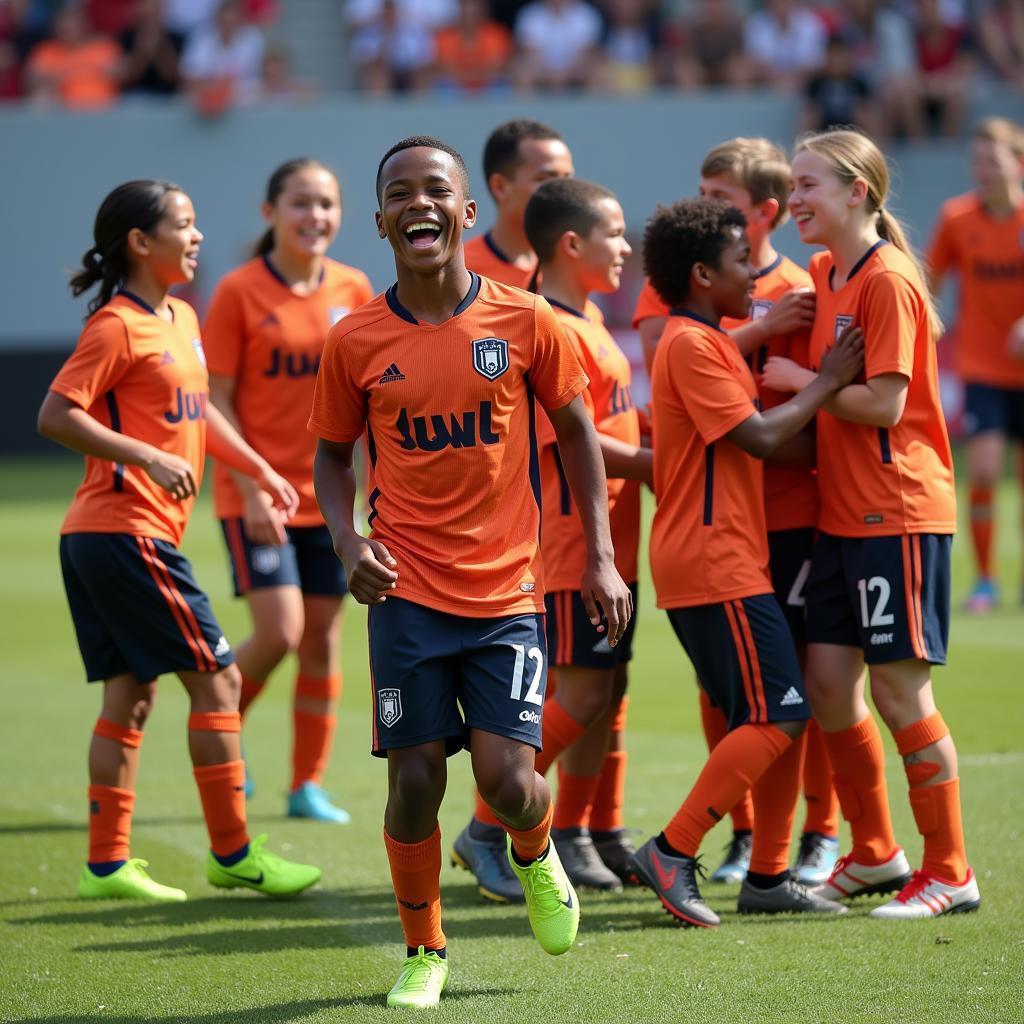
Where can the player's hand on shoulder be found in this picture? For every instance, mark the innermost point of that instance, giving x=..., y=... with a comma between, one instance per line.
x=264, y=524
x=1015, y=341
x=173, y=473
x=604, y=592
x=845, y=359
x=794, y=311
x=370, y=568
x=282, y=494
x=785, y=376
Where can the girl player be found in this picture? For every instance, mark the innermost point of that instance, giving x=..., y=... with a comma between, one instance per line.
x=264, y=333
x=878, y=590
x=132, y=398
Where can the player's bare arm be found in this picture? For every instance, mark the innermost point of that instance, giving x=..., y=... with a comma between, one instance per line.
x=602, y=587
x=70, y=425
x=626, y=462
x=370, y=569
x=794, y=311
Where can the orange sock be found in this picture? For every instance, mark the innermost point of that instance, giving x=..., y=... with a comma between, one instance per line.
x=858, y=767
x=983, y=527
x=110, y=823
x=484, y=814
x=819, y=794
x=313, y=733
x=575, y=798
x=606, y=812
x=251, y=689
x=559, y=731
x=222, y=794
x=530, y=843
x=735, y=764
x=716, y=726
x=775, y=798
x=416, y=877
x=936, y=806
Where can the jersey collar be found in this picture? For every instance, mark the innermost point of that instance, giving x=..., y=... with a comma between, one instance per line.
x=493, y=246
x=396, y=307
x=683, y=311
x=141, y=303
x=276, y=274
x=764, y=271
x=568, y=309
x=860, y=263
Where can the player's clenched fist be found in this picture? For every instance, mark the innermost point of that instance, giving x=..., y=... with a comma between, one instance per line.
x=370, y=569
x=172, y=473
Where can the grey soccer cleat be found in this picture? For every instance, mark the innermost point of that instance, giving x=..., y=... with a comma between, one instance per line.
x=581, y=861
x=788, y=897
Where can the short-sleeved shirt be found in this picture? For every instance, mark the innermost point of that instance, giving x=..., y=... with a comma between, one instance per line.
x=451, y=423
x=269, y=341
x=878, y=481
x=474, y=63
x=86, y=75
x=988, y=256
x=146, y=378
x=790, y=494
x=611, y=404
x=709, y=542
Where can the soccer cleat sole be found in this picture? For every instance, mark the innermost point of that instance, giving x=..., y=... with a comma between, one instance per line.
x=881, y=888
x=458, y=862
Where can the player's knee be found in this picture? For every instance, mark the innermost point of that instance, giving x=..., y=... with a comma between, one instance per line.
x=226, y=689
x=142, y=709
x=418, y=782
x=509, y=791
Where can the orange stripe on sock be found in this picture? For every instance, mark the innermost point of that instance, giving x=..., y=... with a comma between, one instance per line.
x=215, y=721
x=755, y=662
x=737, y=639
x=921, y=734
x=171, y=603
x=237, y=547
x=118, y=733
x=317, y=688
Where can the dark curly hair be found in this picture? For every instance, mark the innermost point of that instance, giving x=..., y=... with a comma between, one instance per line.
x=424, y=142
x=679, y=236
x=560, y=205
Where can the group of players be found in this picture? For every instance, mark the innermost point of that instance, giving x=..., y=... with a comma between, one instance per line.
x=496, y=408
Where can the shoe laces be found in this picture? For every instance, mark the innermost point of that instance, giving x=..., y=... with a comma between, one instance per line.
x=841, y=865
x=136, y=866
x=418, y=970
x=543, y=885
x=265, y=858
x=919, y=881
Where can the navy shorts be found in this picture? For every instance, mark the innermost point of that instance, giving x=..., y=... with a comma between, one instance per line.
x=307, y=561
x=137, y=608
x=426, y=665
x=572, y=639
x=745, y=659
x=987, y=408
x=889, y=596
x=789, y=553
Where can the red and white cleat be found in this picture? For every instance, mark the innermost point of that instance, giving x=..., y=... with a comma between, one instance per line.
x=849, y=878
x=928, y=896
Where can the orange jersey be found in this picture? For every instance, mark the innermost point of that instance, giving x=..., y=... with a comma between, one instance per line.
x=450, y=417
x=709, y=542
x=611, y=404
x=790, y=494
x=268, y=340
x=145, y=378
x=988, y=258
x=877, y=481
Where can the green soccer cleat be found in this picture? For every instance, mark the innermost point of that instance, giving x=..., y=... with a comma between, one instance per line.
x=263, y=871
x=551, y=901
x=424, y=977
x=129, y=882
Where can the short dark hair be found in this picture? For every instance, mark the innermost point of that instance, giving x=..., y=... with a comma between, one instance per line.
x=501, y=150
x=560, y=205
x=678, y=236
x=425, y=142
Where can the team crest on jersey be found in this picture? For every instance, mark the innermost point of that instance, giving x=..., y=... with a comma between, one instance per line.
x=335, y=313
x=842, y=322
x=490, y=357
x=200, y=354
x=266, y=559
x=389, y=706
x=759, y=308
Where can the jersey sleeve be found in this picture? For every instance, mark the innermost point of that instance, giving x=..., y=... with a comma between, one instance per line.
x=891, y=312
x=556, y=372
x=223, y=332
x=707, y=385
x=100, y=359
x=648, y=305
x=942, y=253
x=339, y=404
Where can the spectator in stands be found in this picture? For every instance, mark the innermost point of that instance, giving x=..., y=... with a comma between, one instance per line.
x=428, y=14
x=1001, y=35
x=473, y=53
x=277, y=81
x=394, y=52
x=707, y=49
x=629, y=46
x=77, y=68
x=558, y=41
x=838, y=95
x=183, y=17
x=110, y=17
x=221, y=62
x=12, y=33
x=786, y=42
x=150, y=53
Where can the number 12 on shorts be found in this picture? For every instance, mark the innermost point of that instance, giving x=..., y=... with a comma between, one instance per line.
x=879, y=616
x=533, y=694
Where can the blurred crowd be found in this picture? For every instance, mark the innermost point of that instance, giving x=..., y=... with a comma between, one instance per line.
x=901, y=68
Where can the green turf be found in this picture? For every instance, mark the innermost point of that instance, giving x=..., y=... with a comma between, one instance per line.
x=332, y=954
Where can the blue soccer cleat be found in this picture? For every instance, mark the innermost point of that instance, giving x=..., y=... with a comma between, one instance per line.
x=310, y=801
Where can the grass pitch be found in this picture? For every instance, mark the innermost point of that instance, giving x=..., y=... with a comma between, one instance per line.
x=332, y=954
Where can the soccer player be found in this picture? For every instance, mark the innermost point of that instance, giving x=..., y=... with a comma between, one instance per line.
x=441, y=371
x=263, y=337
x=980, y=238
x=878, y=591
x=578, y=231
x=753, y=176
x=132, y=398
x=709, y=555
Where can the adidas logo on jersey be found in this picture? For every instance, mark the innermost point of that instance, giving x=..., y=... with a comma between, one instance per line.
x=392, y=373
x=791, y=698
x=270, y=320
